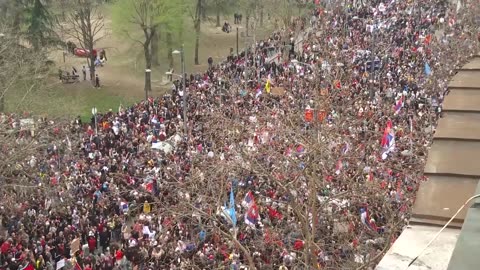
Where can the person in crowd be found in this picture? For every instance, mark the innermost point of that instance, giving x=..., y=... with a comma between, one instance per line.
x=97, y=81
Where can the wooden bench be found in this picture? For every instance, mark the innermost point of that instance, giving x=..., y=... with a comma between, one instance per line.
x=70, y=78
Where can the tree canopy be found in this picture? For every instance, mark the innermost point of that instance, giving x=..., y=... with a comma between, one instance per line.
x=151, y=17
x=39, y=24
x=129, y=15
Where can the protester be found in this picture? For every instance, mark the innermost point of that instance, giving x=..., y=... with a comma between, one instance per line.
x=97, y=81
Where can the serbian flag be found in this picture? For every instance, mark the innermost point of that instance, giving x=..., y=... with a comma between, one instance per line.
x=259, y=92
x=251, y=216
x=399, y=105
x=248, y=200
x=386, y=132
x=389, y=144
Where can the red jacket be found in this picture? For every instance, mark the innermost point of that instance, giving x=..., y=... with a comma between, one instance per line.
x=92, y=244
x=5, y=247
x=28, y=267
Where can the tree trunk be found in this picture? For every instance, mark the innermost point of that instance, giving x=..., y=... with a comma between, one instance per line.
x=197, y=42
x=197, y=22
x=91, y=67
x=247, y=20
x=154, y=44
x=2, y=102
x=203, y=10
x=148, y=65
x=169, y=49
x=218, y=17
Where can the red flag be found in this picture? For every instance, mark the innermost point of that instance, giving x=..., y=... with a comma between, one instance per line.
x=298, y=245
x=149, y=187
x=308, y=115
x=428, y=39
x=274, y=214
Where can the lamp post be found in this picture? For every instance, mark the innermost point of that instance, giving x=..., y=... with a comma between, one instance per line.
x=94, y=113
x=184, y=97
x=147, y=75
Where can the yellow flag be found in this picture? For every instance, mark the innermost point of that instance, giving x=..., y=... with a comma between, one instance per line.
x=146, y=208
x=267, y=86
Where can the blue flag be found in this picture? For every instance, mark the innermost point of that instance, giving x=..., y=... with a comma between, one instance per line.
x=428, y=70
x=231, y=209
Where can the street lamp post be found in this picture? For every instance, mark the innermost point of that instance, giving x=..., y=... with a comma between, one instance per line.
x=94, y=112
x=184, y=97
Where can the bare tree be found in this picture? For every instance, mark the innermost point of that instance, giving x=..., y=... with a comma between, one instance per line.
x=20, y=67
x=220, y=7
x=86, y=26
x=197, y=21
x=148, y=16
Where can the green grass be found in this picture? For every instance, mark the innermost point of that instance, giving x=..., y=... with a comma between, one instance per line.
x=65, y=101
x=100, y=99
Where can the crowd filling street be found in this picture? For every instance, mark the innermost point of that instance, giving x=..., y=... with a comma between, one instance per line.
x=303, y=152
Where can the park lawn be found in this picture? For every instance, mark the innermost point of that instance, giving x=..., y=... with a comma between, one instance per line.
x=65, y=101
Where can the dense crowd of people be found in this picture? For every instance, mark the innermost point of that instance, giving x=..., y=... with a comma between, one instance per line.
x=304, y=151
